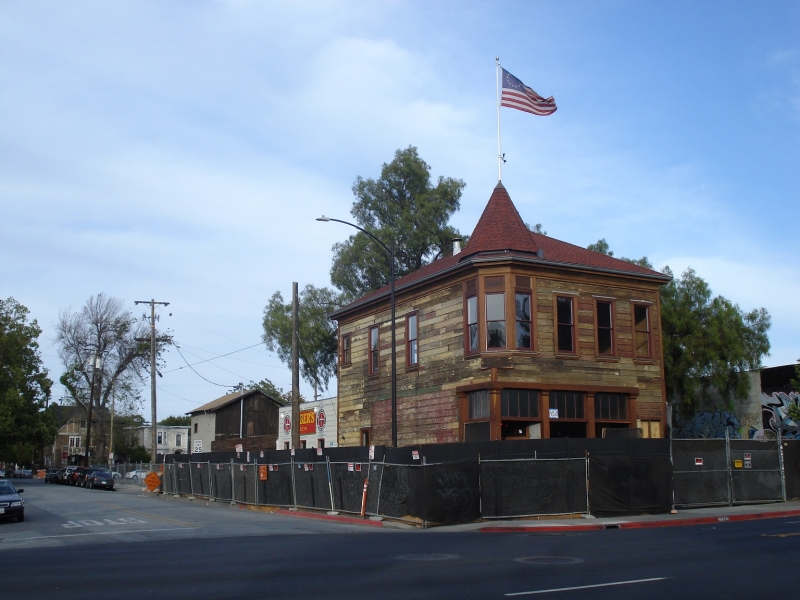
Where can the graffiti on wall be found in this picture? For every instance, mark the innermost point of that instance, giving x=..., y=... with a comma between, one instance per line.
x=775, y=414
x=707, y=424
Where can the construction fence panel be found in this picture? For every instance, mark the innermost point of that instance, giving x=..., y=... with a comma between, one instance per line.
x=244, y=483
x=276, y=490
x=311, y=485
x=221, y=485
x=755, y=471
x=791, y=468
x=347, y=483
x=621, y=484
x=532, y=487
x=394, y=491
x=700, y=472
x=451, y=492
x=183, y=475
x=168, y=479
x=200, y=473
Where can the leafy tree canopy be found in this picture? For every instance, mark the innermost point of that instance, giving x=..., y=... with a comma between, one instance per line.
x=317, y=334
x=24, y=385
x=602, y=247
x=401, y=205
x=708, y=341
x=172, y=420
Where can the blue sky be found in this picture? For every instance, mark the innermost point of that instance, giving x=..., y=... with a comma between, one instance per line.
x=182, y=150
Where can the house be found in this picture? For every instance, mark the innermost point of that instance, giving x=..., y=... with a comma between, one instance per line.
x=318, y=420
x=518, y=335
x=248, y=418
x=170, y=439
x=69, y=446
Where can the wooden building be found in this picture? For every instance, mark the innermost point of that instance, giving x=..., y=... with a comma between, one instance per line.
x=517, y=336
x=248, y=418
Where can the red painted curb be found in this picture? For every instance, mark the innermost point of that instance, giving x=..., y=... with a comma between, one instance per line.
x=334, y=518
x=645, y=524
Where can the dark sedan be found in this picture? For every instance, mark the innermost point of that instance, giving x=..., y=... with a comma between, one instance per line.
x=100, y=480
x=12, y=506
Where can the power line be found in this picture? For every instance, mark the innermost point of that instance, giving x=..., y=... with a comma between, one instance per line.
x=209, y=359
x=193, y=369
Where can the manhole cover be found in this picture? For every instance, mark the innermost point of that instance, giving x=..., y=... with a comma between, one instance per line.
x=548, y=560
x=426, y=556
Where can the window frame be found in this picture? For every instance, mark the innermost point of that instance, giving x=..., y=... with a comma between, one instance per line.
x=552, y=399
x=346, y=357
x=529, y=294
x=613, y=329
x=468, y=324
x=414, y=314
x=365, y=435
x=649, y=322
x=625, y=402
x=178, y=439
x=504, y=320
x=488, y=405
x=573, y=325
x=374, y=355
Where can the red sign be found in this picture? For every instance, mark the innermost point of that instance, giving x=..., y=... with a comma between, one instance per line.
x=262, y=472
x=64, y=455
x=287, y=424
x=698, y=462
x=308, y=422
x=321, y=419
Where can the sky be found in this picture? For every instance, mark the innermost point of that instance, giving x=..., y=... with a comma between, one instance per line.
x=181, y=151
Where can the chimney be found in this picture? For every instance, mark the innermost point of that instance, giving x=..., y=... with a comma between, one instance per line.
x=456, y=246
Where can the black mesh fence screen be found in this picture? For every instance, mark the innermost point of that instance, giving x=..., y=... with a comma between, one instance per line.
x=533, y=487
x=311, y=485
x=277, y=489
x=168, y=479
x=451, y=493
x=348, y=485
x=200, y=482
x=244, y=484
x=182, y=475
x=624, y=485
x=394, y=491
x=221, y=481
x=755, y=471
x=700, y=472
x=791, y=467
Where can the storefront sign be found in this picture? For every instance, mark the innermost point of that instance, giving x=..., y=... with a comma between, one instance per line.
x=308, y=422
x=287, y=425
x=321, y=420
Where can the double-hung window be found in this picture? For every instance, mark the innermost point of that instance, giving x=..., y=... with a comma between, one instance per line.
x=641, y=331
x=346, y=348
x=523, y=315
x=374, y=349
x=605, y=328
x=472, y=324
x=565, y=330
x=74, y=441
x=495, y=321
x=412, y=341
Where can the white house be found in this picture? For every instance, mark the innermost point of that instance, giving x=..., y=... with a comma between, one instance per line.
x=171, y=439
x=318, y=424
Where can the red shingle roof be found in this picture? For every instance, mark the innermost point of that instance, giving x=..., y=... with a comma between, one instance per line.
x=501, y=231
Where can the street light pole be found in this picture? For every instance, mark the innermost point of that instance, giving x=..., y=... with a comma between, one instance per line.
x=390, y=252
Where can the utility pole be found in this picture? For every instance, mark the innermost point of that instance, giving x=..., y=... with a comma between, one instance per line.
x=295, y=372
x=96, y=364
x=153, y=424
x=111, y=445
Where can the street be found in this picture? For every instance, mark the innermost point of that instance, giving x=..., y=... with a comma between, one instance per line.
x=126, y=545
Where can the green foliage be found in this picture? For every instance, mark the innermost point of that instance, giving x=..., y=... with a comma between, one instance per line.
x=708, y=341
x=185, y=420
x=402, y=205
x=793, y=412
x=317, y=333
x=601, y=246
x=537, y=229
x=24, y=384
x=795, y=383
x=272, y=390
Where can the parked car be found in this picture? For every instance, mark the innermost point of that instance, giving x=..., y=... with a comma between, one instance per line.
x=66, y=475
x=101, y=479
x=138, y=474
x=83, y=477
x=51, y=476
x=25, y=474
x=11, y=503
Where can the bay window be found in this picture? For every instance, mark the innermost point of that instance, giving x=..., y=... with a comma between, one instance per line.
x=495, y=321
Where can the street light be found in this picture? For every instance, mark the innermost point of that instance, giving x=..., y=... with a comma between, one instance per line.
x=390, y=252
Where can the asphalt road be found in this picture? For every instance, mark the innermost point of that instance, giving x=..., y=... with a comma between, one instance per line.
x=149, y=547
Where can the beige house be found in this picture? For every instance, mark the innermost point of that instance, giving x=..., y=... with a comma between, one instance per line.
x=518, y=335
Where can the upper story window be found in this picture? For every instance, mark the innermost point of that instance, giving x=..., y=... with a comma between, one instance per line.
x=565, y=331
x=523, y=314
x=472, y=323
x=641, y=331
x=495, y=321
x=74, y=441
x=346, y=355
x=195, y=427
x=177, y=439
x=412, y=342
x=160, y=437
x=374, y=349
x=605, y=327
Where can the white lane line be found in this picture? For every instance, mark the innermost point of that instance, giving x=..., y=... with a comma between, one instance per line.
x=586, y=587
x=48, y=537
x=788, y=522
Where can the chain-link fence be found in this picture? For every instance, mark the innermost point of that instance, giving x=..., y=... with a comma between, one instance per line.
x=711, y=472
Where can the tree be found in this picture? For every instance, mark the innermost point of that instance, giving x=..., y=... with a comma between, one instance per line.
x=402, y=206
x=25, y=425
x=602, y=247
x=173, y=420
x=708, y=341
x=537, y=229
x=317, y=334
x=105, y=329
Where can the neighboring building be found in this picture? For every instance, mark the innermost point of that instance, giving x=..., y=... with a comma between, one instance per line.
x=69, y=447
x=318, y=421
x=517, y=336
x=249, y=418
x=171, y=439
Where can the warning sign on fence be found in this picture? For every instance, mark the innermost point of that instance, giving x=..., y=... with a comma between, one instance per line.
x=152, y=481
x=262, y=472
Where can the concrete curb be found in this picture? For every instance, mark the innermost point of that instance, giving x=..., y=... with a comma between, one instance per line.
x=332, y=518
x=644, y=524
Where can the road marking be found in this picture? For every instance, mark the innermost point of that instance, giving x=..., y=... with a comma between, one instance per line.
x=586, y=587
x=49, y=537
x=781, y=535
x=136, y=512
x=790, y=522
x=93, y=523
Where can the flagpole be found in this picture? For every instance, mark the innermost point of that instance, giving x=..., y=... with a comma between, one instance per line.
x=497, y=94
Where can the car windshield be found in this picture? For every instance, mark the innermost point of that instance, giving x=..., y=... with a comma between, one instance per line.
x=102, y=474
x=6, y=488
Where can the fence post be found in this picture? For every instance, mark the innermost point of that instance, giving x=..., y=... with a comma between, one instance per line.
x=780, y=460
x=730, y=471
x=294, y=490
x=255, y=477
x=480, y=489
x=380, y=485
x=191, y=483
x=330, y=482
x=233, y=485
x=210, y=482
x=586, y=468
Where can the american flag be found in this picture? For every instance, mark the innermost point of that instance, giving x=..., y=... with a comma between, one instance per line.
x=518, y=95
